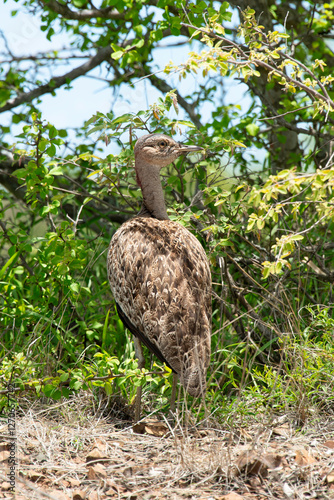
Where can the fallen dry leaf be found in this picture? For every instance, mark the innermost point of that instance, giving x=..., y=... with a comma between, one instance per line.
x=114, y=488
x=4, y=455
x=96, y=471
x=4, y=446
x=252, y=463
x=91, y=474
x=5, y=486
x=100, y=445
x=59, y=495
x=34, y=475
x=231, y=496
x=151, y=427
x=329, y=444
x=135, y=470
x=330, y=479
x=74, y=482
x=79, y=495
x=95, y=456
x=111, y=493
x=282, y=430
x=304, y=458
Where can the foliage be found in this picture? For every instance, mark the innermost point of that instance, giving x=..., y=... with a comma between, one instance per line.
x=260, y=200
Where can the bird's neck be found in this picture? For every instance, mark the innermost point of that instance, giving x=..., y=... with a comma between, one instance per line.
x=153, y=196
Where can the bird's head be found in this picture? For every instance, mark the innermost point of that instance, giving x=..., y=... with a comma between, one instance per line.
x=159, y=150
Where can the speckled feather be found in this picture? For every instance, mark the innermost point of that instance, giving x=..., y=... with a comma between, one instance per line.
x=161, y=281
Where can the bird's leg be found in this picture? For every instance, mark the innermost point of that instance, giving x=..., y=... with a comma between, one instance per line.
x=141, y=364
x=173, y=396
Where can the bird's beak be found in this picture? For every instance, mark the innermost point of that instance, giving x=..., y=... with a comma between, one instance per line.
x=189, y=149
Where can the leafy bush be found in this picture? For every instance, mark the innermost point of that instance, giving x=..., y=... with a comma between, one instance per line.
x=267, y=228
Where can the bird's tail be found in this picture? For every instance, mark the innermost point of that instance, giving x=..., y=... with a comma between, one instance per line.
x=195, y=365
x=194, y=381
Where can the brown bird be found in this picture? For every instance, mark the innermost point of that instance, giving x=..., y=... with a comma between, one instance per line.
x=160, y=277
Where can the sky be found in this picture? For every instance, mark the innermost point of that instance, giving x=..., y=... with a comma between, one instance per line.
x=88, y=95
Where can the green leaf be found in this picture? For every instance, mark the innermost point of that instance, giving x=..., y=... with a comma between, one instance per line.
x=79, y=3
x=42, y=145
x=108, y=388
x=75, y=287
x=266, y=272
x=44, y=210
x=187, y=123
x=252, y=129
x=64, y=376
x=117, y=55
x=96, y=129
x=9, y=262
x=65, y=392
x=139, y=44
x=56, y=171
x=91, y=120
x=296, y=237
x=77, y=384
x=51, y=151
x=52, y=132
x=20, y=173
x=122, y=119
x=63, y=269
x=48, y=389
x=279, y=266
x=55, y=394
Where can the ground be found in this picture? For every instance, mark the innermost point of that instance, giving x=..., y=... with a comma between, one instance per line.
x=65, y=452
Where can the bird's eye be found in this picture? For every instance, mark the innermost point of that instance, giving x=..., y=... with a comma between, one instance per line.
x=162, y=144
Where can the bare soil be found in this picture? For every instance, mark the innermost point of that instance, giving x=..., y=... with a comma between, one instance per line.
x=65, y=452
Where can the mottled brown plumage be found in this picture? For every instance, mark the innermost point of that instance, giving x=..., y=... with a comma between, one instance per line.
x=160, y=276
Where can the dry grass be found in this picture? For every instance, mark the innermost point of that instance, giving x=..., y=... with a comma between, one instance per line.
x=64, y=451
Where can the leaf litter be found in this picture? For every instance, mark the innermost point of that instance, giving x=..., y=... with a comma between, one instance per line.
x=64, y=452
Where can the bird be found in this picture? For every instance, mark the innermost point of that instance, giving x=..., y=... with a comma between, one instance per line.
x=160, y=276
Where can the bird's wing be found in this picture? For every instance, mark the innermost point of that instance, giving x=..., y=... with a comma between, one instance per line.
x=141, y=336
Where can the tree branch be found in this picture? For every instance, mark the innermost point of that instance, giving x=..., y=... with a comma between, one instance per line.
x=270, y=68
x=111, y=214
x=84, y=14
x=102, y=54
x=281, y=121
